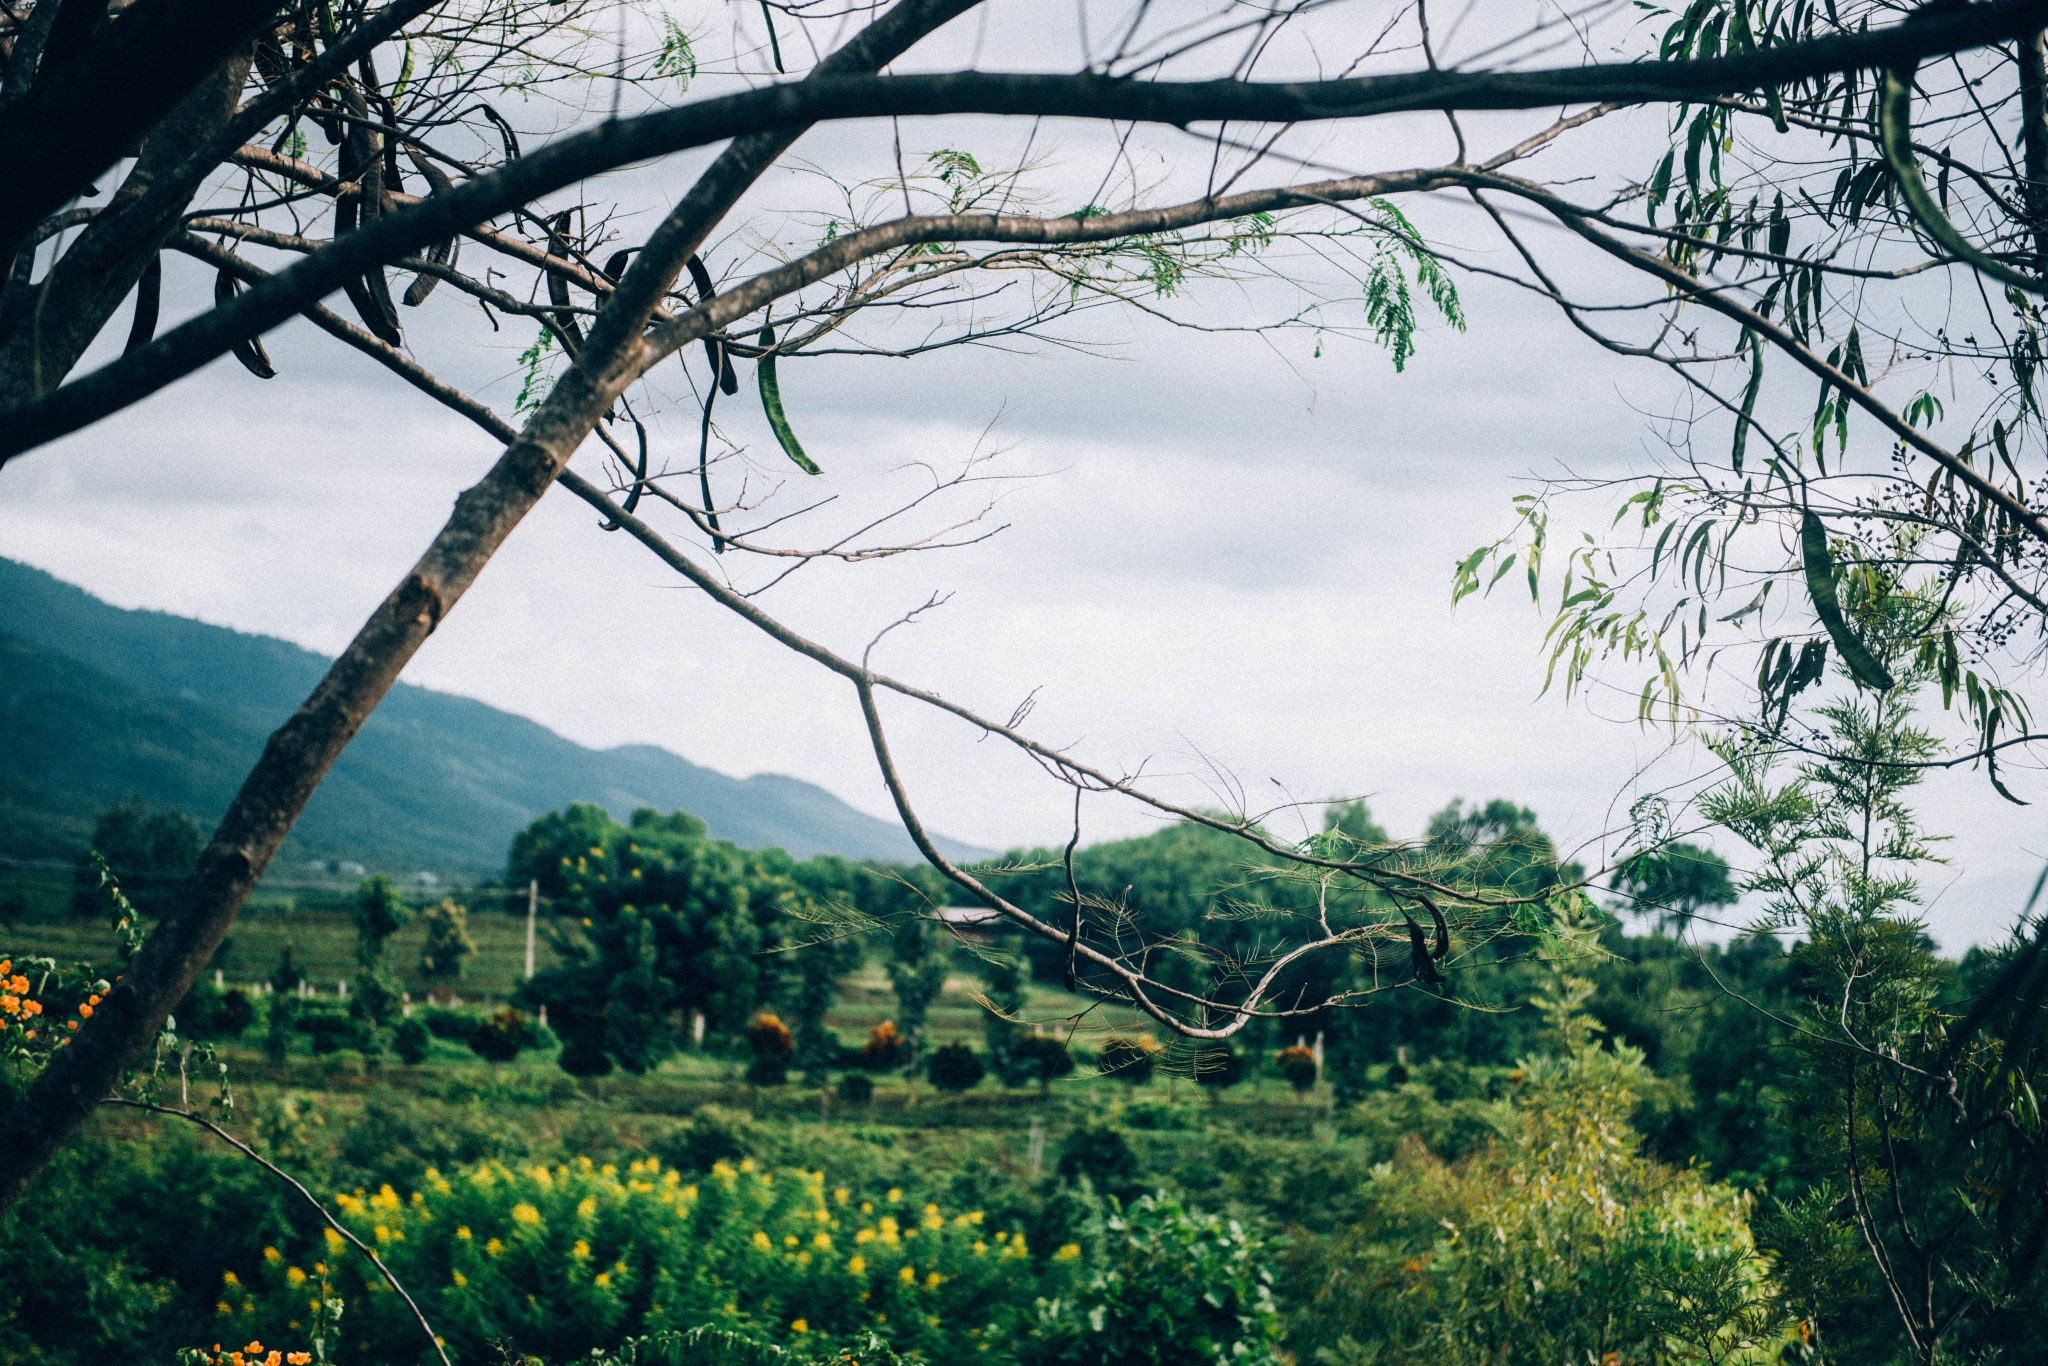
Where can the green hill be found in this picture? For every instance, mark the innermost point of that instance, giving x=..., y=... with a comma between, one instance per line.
x=97, y=703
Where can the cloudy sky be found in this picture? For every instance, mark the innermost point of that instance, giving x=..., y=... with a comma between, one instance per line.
x=1224, y=559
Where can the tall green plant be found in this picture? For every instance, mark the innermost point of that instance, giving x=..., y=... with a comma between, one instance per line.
x=1917, y=1112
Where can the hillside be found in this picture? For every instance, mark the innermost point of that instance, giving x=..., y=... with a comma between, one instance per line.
x=97, y=702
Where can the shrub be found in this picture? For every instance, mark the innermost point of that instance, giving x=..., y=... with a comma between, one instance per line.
x=955, y=1067
x=448, y=947
x=1298, y=1065
x=1176, y=1286
x=1099, y=1152
x=1039, y=1057
x=412, y=1042
x=500, y=1037
x=885, y=1048
x=856, y=1089
x=209, y=1013
x=771, y=1043
x=453, y=1025
x=559, y=1261
x=1129, y=1060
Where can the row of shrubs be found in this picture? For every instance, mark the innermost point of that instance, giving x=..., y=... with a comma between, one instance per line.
x=502, y=1035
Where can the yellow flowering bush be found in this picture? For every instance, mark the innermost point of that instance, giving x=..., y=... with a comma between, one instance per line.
x=554, y=1261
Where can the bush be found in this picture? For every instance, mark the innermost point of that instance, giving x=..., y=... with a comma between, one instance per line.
x=559, y=1261
x=412, y=1042
x=500, y=1037
x=955, y=1067
x=856, y=1089
x=1298, y=1065
x=1129, y=1060
x=1099, y=1152
x=771, y=1043
x=453, y=1025
x=885, y=1048
x=209, y=1013
x=1176, y=1287
x=1039, y=1057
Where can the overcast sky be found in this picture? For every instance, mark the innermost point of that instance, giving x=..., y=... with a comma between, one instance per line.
x=1230, y=557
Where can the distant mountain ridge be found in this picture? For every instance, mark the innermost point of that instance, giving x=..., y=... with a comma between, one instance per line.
x=97, y=702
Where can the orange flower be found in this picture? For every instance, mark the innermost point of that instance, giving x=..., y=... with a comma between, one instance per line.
x=297, y=1358
x=18, y=983
x=92, y=1000
x=31, y=1007
x=72, y=1025
x=85, y=1012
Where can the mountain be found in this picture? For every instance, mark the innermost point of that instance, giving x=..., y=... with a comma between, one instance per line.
x=97, y=702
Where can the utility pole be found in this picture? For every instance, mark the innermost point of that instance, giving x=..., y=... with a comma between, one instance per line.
x=532, y=909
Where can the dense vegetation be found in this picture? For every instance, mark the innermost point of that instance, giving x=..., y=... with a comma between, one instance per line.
x=770, y=1103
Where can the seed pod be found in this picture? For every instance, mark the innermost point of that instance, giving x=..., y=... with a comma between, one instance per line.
x=1820, y=585
x=250, y=353
x=558, y=288
x=149, y=293
x=771, y=403
x=721, y=363
x=1418, y=954
x=441, y=253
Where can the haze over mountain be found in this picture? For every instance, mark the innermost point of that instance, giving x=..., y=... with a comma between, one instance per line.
x=98, y=702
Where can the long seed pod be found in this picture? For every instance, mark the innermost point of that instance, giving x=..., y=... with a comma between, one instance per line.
x=558, y=288
x=510, y=138
x=1820, y=583
x=721, y=363
x=363, y=161
x=250, y=353
x=149, y=294
x=771, y=403
x=441, y=253
x=1418, y=954
x=1443, y=929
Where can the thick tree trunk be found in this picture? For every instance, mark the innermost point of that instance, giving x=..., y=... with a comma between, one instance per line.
x=45, y=329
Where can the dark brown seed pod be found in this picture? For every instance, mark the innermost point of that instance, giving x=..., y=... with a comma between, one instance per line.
x=250, y=353
x=149, y=293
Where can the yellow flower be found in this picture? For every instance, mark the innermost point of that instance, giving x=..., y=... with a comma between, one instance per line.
x=799, y=1326
x=858, y=1266
x=840, y=1194
x=908, y=1275
x=1067, y=1253
x=867, y=1207
x=460, y=1279
x=271, y=1254
x=463, y=1233
x=604, y=1278
x=525, y=1214
x=932, y=1281
x=383, y=1234
x=494, y=1247
x=587, y=1207
x=980, y=1248
x=789, y=1240
x=822, y=1242
x=229, y=1278
x=895, y=1196
x=223, y=1308
x=582, y=1250
x=761, y=1241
